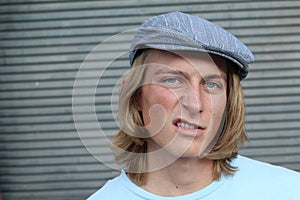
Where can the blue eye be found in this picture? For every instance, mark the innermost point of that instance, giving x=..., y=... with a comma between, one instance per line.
x=210, y=85
x=171, y=80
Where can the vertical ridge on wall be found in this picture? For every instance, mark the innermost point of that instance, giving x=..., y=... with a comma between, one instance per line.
x=43, y=45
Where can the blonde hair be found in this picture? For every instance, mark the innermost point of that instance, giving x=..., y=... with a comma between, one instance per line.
x=134, y=148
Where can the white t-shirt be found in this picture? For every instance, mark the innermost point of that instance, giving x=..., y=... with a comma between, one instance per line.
x=254, y=181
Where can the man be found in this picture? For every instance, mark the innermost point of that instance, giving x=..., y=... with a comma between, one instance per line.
x=182, y=119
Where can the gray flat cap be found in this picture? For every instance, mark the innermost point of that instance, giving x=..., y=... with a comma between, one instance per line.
x=180, y=31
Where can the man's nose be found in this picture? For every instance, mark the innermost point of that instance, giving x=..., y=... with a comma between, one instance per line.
x=192, y=100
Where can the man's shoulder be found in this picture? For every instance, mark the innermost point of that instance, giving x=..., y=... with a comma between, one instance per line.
x=257, y=174
x=121, y=188
x=261, y=180
x=112, y=189
x=250, y=166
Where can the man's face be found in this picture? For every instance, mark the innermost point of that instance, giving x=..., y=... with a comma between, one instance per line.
x=182, y=101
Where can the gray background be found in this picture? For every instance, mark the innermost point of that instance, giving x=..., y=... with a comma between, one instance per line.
x=44, y=42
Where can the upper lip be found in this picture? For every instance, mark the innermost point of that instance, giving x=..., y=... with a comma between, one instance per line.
x=188, y=122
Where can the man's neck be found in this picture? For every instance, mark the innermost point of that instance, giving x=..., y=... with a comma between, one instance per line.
x=184, y=176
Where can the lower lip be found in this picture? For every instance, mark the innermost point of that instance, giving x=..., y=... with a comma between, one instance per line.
x=189, y=132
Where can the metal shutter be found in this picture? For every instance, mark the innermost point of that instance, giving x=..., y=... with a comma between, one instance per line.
x=43, y=44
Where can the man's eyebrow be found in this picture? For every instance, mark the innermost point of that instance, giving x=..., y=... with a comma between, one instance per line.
x=214, y=76
x=169, y=71
x=176, y=72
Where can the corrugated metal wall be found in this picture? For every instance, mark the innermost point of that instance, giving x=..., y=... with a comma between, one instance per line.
x=44, y=42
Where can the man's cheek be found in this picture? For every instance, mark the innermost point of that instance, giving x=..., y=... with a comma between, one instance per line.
x=156, y=119
x=158, y=111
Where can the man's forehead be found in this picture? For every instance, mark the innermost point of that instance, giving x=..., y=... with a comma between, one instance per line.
x=202, y=62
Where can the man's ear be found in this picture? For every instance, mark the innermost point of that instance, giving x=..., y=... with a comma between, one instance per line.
x=123, y=85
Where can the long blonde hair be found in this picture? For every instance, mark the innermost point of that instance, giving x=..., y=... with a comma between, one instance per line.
x=133, y=148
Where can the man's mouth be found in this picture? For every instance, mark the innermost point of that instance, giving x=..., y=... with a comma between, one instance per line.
x=187, y=125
